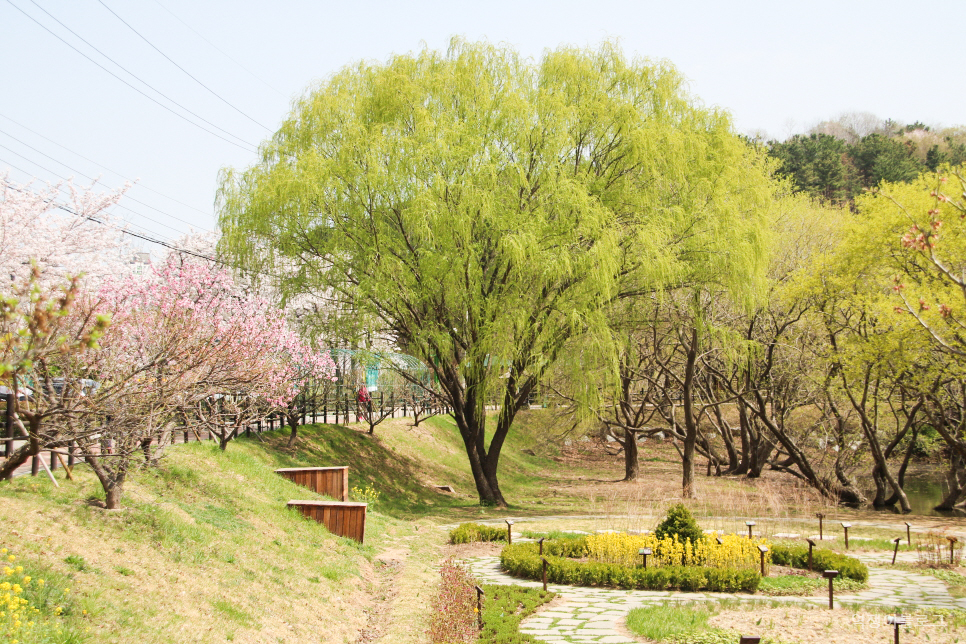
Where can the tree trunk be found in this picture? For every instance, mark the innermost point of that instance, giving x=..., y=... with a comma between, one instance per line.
x=18, y=458
x=690, y=425
x=293, y=422
x=956, y=479
x=632, y=466
x=743, y=421
x=112, y=483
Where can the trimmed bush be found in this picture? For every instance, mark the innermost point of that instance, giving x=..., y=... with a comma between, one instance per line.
x=523, y=560
x=470, y=532
x=822, y=559
x=679, y=523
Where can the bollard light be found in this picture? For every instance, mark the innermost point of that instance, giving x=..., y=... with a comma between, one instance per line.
x=750, y=525
x=846, y=526
x=811, y=544
x=830, y=575
x=761, y=551
x=897, y=621
x=952, y=541
x=908, y=533
x=896, y=551
x=509, y=533
x=644, y=552
x=479, y=607
x=540, y=541
x=545, y=562
x=820, y=517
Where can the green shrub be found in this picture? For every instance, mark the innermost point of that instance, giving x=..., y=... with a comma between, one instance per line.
x=679, y=523
x=523, y=560
x=822, y=559
x=470, y=532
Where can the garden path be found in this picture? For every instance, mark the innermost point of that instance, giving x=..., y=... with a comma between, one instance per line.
x=598, y=615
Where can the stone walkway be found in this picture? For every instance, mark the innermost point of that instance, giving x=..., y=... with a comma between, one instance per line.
x=598, y=614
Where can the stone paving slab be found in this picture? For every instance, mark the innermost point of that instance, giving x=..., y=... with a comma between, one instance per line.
x=597, y=615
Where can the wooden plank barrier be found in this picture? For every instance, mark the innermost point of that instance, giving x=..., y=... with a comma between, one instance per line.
x=341, y=518
x=330, y=481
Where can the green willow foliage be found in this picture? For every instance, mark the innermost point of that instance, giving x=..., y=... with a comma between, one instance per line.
x=482, y=208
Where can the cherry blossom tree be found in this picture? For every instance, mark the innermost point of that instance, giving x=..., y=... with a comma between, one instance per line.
x=34, y=231
x=38, y=327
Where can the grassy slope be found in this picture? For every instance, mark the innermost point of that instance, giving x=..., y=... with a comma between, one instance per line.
x=205, y=549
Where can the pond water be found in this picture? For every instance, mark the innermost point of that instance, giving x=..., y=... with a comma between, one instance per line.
x=925, y=491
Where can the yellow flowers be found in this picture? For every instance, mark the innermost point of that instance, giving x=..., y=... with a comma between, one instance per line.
x=621, y=548
x=368, y=494
x=20, y=620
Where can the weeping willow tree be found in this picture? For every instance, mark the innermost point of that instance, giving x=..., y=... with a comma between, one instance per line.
x=482, y=208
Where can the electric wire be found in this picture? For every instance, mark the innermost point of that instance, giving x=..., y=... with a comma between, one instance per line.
x=223, y=53
x=137, y=235
x=187, y=73
x=133, y=75
x=248, y=147
x=100, y=165
x=63, y=178
x=90, y=178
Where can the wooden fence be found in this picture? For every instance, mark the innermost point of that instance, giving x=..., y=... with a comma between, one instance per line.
x=328, y=481
x=339, y=517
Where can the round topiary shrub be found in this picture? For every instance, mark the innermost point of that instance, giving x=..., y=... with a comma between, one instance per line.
x=679, y=523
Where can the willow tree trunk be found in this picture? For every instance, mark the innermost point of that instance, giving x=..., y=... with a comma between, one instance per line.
x=632, y=466
x=690, y=425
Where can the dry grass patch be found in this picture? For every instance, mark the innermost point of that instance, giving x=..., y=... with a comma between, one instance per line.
x=840, y=626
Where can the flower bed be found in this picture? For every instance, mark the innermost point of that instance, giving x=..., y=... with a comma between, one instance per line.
x=523, y=560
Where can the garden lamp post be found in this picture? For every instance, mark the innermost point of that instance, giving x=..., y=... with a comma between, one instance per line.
x=750, y=525
x=540, y=541
x=952, y=541
x=509, y=531
x=830, y=575
x=908, y=533
x=846, y=526
x=820, y=517
x=761, y=551
x=896, y=551
x=811, y=544
x=545, y=562
x=897, y=621
x=644, y=552
x=479, y=607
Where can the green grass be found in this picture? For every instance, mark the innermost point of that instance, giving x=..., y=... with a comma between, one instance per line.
x=233, y=612
x=678, y=623
x=801, y=585
x=504, y=608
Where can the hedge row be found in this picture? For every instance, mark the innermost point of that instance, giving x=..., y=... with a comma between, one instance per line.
x=523, y=560
x=822, y=559
x=469, y=532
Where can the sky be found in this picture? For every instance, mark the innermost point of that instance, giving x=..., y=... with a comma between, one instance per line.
x=116, y=107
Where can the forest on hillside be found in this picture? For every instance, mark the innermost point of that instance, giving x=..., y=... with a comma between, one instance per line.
x=838, y=159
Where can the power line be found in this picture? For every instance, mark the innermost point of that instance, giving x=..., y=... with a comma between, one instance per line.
x=100, y=165
x=63, y=178
x=168, y=58
x=222, y=52
x=249, y=148
x=167, y=214
x=147, y=238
